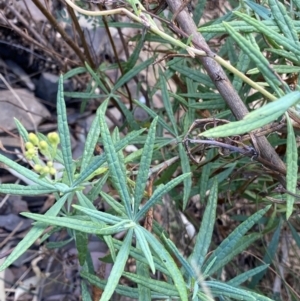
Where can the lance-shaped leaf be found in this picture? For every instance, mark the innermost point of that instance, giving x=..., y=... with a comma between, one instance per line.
x=158, y=193
x=204, y=236
x=118, y=267
x=75, y=223
x=228, y=245
x=17, y=189
x=98, y=161
x=115, y=168
x=169, y=263
x=292, y=168
x=63, y=130
x=143, y=172
x=256, y=118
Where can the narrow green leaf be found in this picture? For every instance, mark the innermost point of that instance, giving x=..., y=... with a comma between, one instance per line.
x=93, y=194
x=85, y=202
x=58, y=244
x=262, y=11
x=256, y=118
x=82, y=225
x=208, y=105
x=145, y=162
x=205, y=174
x=269, y=255
x=278, y=69
x=99, y=215
x=144, y=247
x=166, y=101
x=22, y=131
x=128, y=115
x=297, y=3
x=115, y=168
x=153, y=114
x=285, y=54
x=292, y=167
x=84, y=95
x=244, y=27
x=186, y=168
x=123, y=290
x=119, y=208
x=193, y=74
x=96, y=78
x=29, y=174
x=33, y=234
x=133, y=72
x=241, y=278
x=204, y=235
x=17, y=189
x=242, y=65
x=223, y=175
x=143, y=271
x=154, y=285
x=264, y=29
x=73, y=72
x=169, y=263
x=235, y=250
x=228, y=245
x=63, y=130
x=118, y=267
x=98, y=161
x=132, y=60
x=158, y=194
x=222, y=289
x=139, y=256
x=91, y=141
x=261, y=62
x=283, y=20
x=199, y=10
x=81, y=246
x=85, y=292
x=184, y=263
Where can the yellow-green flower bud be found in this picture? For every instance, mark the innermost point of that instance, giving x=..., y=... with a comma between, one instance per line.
x=50, y=164
x=53, y=138
x=30, y=153
x=28, y=156
x=52, y=171
x=43, y=145
x=45, y=170
x=29, y=145
x=37, y=168
x=33, y=138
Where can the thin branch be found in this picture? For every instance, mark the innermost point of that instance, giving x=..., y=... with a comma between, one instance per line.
x=81, y=35
x=54, y=23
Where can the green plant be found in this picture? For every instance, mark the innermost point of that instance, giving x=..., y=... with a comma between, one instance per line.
x=192, y=282
x=261, y=56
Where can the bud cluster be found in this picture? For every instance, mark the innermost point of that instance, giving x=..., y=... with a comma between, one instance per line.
x=46, y=148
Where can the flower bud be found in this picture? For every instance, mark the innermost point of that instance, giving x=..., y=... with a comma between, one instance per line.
x=37, y=168
x=53, y=138
x=30, y=153
x=29, y=145
x=33, y=138
x=52, y=171
x=50, y=164
x=45, y=170
x=43, y=145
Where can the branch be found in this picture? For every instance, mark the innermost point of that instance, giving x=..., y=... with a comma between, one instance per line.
x=221, y=81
